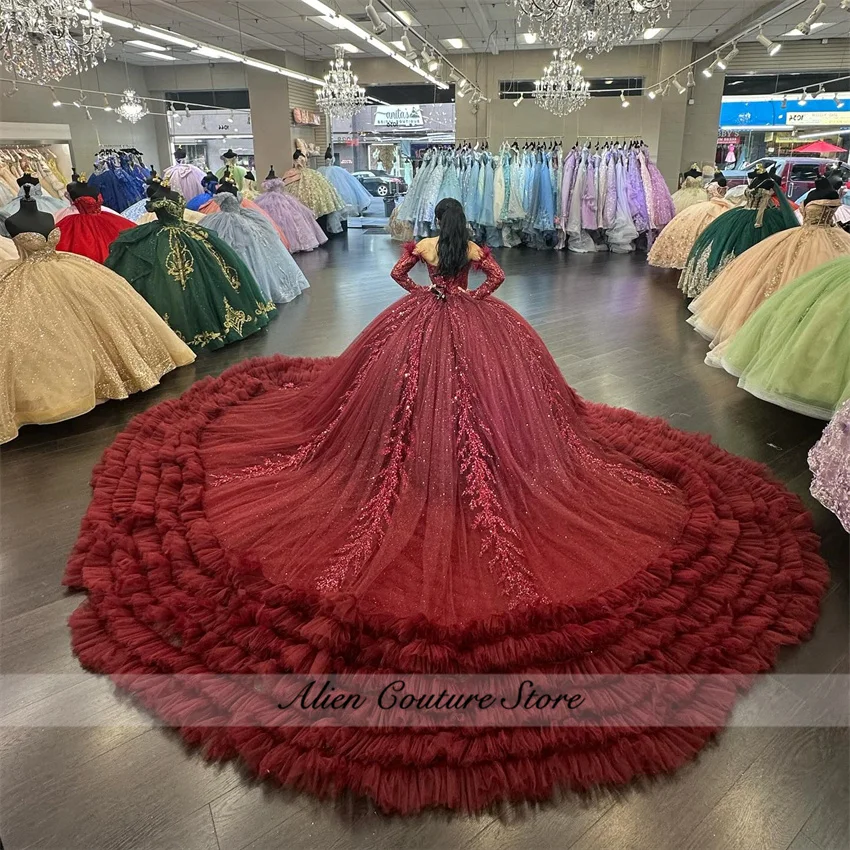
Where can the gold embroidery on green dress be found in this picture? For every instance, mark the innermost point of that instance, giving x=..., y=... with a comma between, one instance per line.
x=201, y=235
x=204, y=338
x=234, y=320
x=264, y=309
x=179, y=263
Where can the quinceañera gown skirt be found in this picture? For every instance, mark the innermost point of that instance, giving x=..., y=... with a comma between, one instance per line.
x=435, y=499
x=794, y=350
x=294, y=219
x=671, y=247
x=75, y=334
x=829, y=461
x=762, y=270
x=92, y=230
x=692, y=192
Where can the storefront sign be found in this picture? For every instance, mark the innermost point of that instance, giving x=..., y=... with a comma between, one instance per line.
x=819, y=119
x=729, y=140
x=304, y=116
x=398, y=116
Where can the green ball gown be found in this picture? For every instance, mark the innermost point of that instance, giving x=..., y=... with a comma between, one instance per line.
x=192, y=278
x=731, y=234
x=794, y=350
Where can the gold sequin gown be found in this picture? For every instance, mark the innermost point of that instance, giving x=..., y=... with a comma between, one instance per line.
x=692, y=192
x=762, y=270
x=313, y=190
x=670, y=250
x=74, y=334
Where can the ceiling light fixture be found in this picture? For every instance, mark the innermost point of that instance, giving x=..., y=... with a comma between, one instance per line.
x=784, y=101
x=709, y=70
x=651, y=32
x=409, y=52
x=106, y=106
x=730, y=56
x=652, y=94
x=378, y=26
x=154, y=55
x=518, y=101
x=146, y=44
x=803, y=98
x=691, y=82
x=529, y=37
x=56, y=101
x=805, y=27
x=456, y=43
x=772, y=47
x=678, y=86
x=623, y=102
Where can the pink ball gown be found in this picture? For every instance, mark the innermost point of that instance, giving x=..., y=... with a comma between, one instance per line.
x=435, y=499
x=829, y=461
x=294, y=218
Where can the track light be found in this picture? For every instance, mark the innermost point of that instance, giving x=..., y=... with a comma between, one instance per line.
x=710, y=69
x=678, y=86
x=518, y=101
x=434, y=64
x=691, y=81
x=56, y=101
x=845, y=5
x=784, y=101
x=378, y=26
x=772, y=47
x=409, y=53
x=462, y=86
x=806, y=26
x=819, y=92
x=186, y=110
x=231, y=119
x=803, y=98
x=623, y=102
x=652, y=94
x=106, y=106
x=730, y=56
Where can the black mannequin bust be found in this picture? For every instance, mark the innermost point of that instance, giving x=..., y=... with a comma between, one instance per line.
x=29, y=218
x=271, y=175
x=179, y=154
x=249, y=175
x=27, y=179
x=823, y=191
x=227, y=185
x=79, y=189
x=229, y=155
x=157, y=191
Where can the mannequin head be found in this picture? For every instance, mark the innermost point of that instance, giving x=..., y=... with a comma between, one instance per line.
x=29, y=218
x=249, y=175
x=179, y=154
x=693, y=171
x=823, y=191
x=229, y=157
x=27, y=179
x=271, y=175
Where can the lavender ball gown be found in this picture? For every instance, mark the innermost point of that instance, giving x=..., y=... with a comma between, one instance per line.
x=291, y=216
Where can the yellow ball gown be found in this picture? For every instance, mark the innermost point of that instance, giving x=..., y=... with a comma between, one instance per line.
x=75, y=334
x=692, y=192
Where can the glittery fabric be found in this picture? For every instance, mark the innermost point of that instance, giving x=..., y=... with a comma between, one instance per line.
x=436, y=454
x=74, y=334
x=434, y=500
x=764, y=269
x=291, y=216
x=313, y=190
x=691, y=192
x=732, y=234
x=92, y=230
x=794, y=350
x=829, y=461
x=192, y=278
x=673, y=245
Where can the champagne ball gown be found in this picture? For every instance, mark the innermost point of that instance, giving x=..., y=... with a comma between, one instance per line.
x=763, y=270
x=75, y=334
x=436, y=499
x=691, y=192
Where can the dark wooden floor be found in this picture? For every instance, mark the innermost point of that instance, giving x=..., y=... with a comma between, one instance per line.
x=617, y=330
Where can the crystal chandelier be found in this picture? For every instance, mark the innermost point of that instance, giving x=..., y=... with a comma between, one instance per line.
x=132, y=108
x=561, y=88
x=340, y=96
x=590, y=26
x=46, y=40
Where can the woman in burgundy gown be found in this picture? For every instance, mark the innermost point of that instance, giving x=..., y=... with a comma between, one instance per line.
x=436, y=499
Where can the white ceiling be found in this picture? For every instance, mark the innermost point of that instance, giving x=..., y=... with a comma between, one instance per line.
x=292, y=25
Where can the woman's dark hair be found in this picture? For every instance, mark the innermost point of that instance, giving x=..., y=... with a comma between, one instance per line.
x=453, y=247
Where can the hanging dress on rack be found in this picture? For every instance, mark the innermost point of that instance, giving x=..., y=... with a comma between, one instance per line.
x=672, y=246
x=734, y=232
x=291, y=216
x=191, y=278
x=92, y=230
x=75, y=334
x=794, y=350
x=763, y=270
x=254, y=238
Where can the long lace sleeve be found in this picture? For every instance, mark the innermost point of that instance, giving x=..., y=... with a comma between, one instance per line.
x=495, y=275
x=401, y=270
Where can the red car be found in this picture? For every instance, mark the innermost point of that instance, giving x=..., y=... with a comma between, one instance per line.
x=797, y=173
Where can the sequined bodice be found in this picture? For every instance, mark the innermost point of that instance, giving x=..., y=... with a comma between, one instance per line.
x=715, y=191
x=87, y=205
x=167, y=211
x=35, y=246
x=692, y=183
x=448, y=284
x=755, y=197
x=820, y=213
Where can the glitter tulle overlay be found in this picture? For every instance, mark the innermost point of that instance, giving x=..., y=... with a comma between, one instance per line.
x=829, y=461
x=74, y=334
x=435, y=499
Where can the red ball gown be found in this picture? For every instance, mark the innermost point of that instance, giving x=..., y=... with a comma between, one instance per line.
x=92, y=231
x=435, y=499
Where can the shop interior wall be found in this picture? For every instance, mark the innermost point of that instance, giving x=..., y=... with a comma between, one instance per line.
x=33, y=104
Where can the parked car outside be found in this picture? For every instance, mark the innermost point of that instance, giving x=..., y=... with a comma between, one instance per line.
x=797, y=174
x=381, y=184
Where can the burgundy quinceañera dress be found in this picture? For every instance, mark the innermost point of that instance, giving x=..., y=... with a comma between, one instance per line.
x=435, y=499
